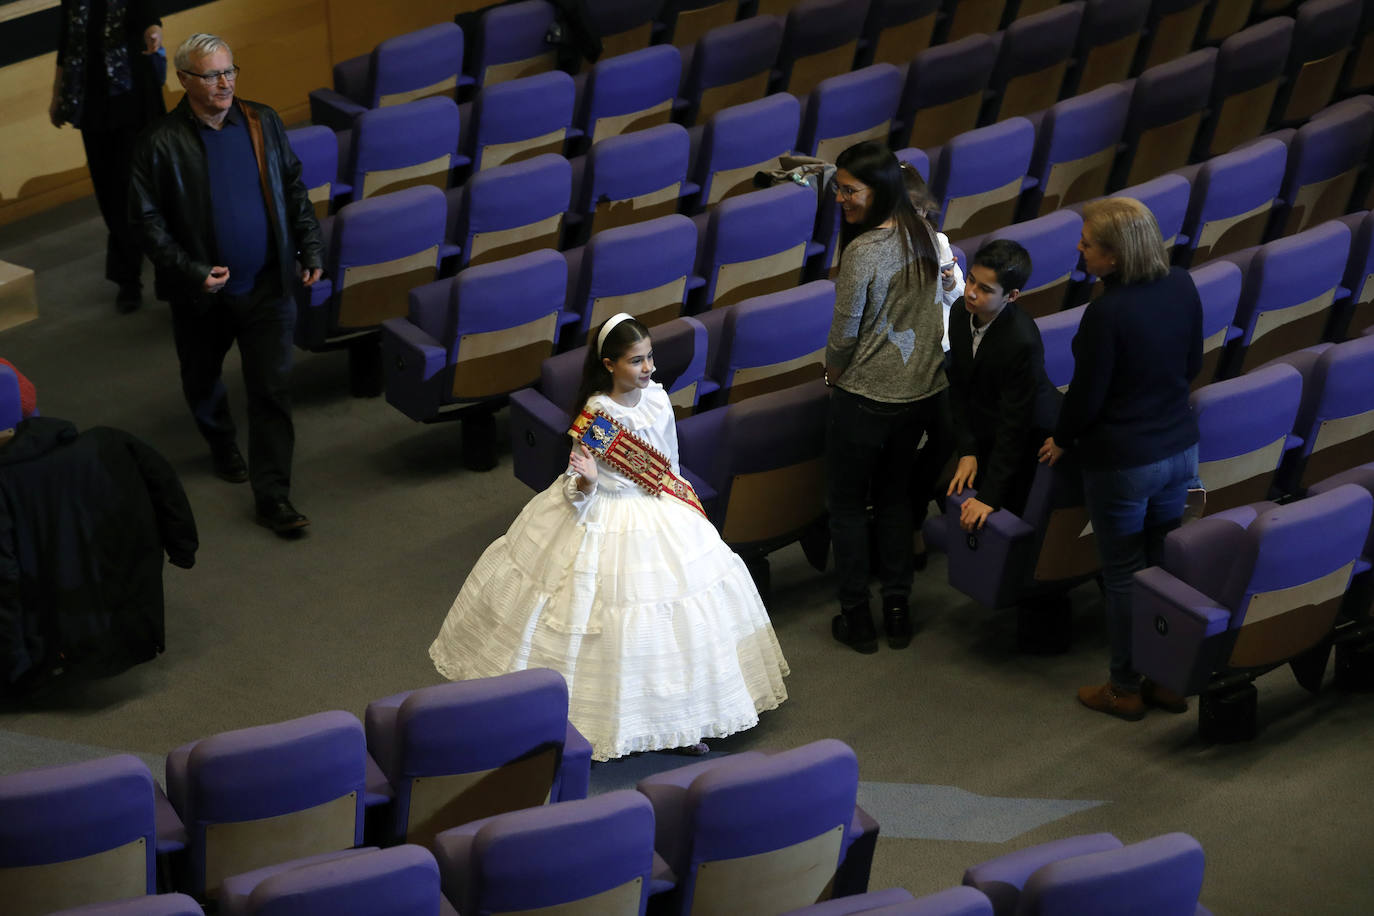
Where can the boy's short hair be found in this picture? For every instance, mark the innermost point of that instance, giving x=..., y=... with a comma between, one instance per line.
x=1008, y=260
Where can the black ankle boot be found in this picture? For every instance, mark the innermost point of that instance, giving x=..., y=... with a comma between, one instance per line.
x=897, y=622
x=853, y=626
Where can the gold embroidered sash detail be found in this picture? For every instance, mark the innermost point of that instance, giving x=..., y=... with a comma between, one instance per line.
x=645, y=465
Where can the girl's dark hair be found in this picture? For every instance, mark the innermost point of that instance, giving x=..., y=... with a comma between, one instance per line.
x=873, y=164
x=596, y=379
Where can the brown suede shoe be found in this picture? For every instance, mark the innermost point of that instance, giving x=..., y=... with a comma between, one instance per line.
x=1162, y=697
x=1106, y=698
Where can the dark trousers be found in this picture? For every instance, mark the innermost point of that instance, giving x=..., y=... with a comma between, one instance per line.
x=870, y=450
x=261, y=323
x=108, y=156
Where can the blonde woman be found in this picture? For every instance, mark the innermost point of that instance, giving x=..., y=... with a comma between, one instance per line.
x=1126, y=419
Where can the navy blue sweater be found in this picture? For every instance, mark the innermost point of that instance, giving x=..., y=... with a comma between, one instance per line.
x=1135, y=354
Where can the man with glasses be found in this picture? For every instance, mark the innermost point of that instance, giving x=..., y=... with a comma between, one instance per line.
x=225, y=218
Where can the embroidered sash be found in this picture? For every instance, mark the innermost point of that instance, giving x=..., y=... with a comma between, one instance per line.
x=618, y=447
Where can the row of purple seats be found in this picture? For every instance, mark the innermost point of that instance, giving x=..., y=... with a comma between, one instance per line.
x=244, y=800
x=749, y=832
x=993, y=176
x=1253, y=588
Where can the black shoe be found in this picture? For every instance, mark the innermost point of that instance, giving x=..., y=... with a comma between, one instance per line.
x=897, y=622
x=229, y=464
x=854, y=627
x=129, y=299
x=279, y=515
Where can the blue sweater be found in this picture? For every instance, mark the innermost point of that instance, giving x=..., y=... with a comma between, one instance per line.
x=1136, y=352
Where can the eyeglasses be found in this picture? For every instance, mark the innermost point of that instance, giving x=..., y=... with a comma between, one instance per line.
x=849, y=192
x=212, y=79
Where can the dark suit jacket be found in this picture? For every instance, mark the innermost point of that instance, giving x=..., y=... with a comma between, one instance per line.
x=1001, y=399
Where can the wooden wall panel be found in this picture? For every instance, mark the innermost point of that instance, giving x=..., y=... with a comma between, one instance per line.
x=286, y=49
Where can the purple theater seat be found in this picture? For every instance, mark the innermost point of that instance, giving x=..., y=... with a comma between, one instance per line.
x=965, y=19
x=632, y=178
x=402, y=146
x=402, y=69
x=957, y=901
x=741, y=141
x=1042, y=552
x=539, y=419
x=820, y=40
x=759, y=465
x=1244, y=425
x=11, y=404
x=1167, y=105
x=460, y=752
x=474, y=337
x=943, y=94
x=1355, y=642
x=848, y=109
x=756, y=243
x=108, y=813
x=1321, y=42
x=1325, y=157
x=978, y=177
x=317, y=148
x=622, y=26
x=1285, y=303
x=774, y=342
x=1172, y=28
x=510, y=42
x=1161, y=876
x=148, y=905
x=596, y=854
x=895, y=30
x=1052, y=241
x=1107, y=42
x=688, y=21
x=1233, y=197
x=752, y=833
x=519, y=119
x=1032, y=62
x=400, y=881
x=1249, y=72
x=379, y=249
x=630, y=92
x=730, y=65
x=644, y=269
x=1075, y=148
x=1336, y=418
x=510, y=210
x=1057, y=331
x=260, y=796
x=1243, y=591
x=1218, y=286
x=1003, y=878
x=1354, y=314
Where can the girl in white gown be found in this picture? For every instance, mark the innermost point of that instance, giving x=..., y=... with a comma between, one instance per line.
x=653, y=621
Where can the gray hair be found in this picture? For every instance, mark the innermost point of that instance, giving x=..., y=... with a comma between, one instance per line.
x=198, y=45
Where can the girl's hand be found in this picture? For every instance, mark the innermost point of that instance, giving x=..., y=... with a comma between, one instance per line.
x=584, y=464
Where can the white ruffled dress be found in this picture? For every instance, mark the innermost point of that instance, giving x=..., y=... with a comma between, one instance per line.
x=654, y=622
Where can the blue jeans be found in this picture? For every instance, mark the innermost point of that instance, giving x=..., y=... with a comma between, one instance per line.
x=1132, y=509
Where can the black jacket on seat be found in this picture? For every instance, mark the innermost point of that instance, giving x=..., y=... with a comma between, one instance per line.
x=84, y=521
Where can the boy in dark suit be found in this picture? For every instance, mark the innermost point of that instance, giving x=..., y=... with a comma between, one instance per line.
x=999, y=393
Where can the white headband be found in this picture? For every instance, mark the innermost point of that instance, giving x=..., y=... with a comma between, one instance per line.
x=606, y=328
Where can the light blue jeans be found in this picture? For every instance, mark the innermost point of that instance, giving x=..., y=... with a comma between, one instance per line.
x=1132, y=509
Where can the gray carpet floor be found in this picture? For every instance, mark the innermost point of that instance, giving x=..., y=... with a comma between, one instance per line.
x=967, y=749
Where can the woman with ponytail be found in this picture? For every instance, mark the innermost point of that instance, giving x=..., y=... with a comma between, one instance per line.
x=885, y=365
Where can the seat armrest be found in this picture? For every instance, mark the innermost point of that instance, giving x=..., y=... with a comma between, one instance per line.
x=171, y=833
x=333, y=109
x=575, y=771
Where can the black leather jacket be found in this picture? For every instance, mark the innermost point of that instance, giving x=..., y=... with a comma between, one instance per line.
x=169, y=201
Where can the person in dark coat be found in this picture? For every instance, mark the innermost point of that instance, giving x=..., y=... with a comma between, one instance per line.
x=85, y=519
x=224, y=215
x=110, y=70
x=999, y=392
